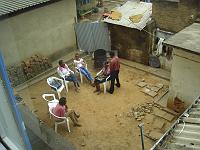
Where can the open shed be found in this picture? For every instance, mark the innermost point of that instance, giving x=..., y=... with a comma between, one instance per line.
x=132, y=38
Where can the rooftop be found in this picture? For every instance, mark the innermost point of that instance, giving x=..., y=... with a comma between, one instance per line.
x=10, y=6
x=187, y=39
x=132, y=15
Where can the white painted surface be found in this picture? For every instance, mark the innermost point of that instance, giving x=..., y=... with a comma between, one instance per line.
x=133, y=8
x=8, y=127
x=185, y=76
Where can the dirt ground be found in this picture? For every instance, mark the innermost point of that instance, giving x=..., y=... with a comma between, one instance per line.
x=105, y=125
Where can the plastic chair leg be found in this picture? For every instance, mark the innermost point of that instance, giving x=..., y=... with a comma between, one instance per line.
x=81, y=77
x=59, y=95
x=104, y=86
x=56, y=126
x=66, y=86
x=68, y=125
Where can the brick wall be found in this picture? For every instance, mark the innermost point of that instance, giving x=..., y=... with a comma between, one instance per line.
x=132, y=44
x=175, y=16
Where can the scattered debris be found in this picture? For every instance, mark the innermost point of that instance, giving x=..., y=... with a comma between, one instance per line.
x=18, y=98
x=140, y=112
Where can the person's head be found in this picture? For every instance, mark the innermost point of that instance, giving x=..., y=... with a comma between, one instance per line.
x=61, y=63
x=77, y=56
x=112, y=54
x=62, y=101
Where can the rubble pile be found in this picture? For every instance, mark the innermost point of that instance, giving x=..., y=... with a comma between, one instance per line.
x=139, y=112
x=27, y=69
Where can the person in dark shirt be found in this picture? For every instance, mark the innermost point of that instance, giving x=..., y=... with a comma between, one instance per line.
x=114, y=72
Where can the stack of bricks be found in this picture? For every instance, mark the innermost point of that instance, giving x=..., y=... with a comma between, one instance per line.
x=16, y=74
x=28, y=69
x=35, y=65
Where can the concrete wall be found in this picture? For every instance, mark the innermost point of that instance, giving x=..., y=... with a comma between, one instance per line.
x=185, y=76
x=175, y=16
x=46, y=30
x=43, y=132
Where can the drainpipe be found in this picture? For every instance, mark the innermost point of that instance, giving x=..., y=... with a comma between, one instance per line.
x=141, y=126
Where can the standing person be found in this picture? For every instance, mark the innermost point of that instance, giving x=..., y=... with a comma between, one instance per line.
x=61, y=110
x=114, y=71
x=66, y=73
x=81, y=65
x=102, y=76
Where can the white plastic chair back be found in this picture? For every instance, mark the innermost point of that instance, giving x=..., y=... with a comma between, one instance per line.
x=65, y=81
x=62, y=120
x=58, y=89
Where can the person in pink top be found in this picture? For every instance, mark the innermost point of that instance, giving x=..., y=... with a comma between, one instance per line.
x=61, y=110
x=66, y=73
x=102, y=76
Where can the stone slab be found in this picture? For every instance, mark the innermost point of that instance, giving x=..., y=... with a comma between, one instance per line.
x=155, y=134
x=158, y=123
x=163, y=114
x=141, y=84
x=152, y=93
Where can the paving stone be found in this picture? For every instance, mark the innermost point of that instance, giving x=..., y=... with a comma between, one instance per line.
x=163, y=114
x=141, y=84
x=155, y=134
x=158, y=123
x=152, y=93
x=159, y=85
x=155, y=88
x=145, y=90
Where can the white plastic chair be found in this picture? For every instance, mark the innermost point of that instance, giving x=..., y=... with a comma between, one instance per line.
x=52, y=102
x=65, y=81
x=77, y=70
x=58, y=90
x=59, y=120
x=104, y=83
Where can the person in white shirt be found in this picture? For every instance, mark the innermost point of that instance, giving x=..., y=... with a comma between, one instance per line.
x=80, y=64
x=66, y=73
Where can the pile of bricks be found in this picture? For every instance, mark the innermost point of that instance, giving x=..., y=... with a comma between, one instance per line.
x=28, y=69
x=16, y=74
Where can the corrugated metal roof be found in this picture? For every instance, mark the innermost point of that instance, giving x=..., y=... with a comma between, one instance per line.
x=184, y=134
x=187, y=38
x=133, y=9
x=10, y=6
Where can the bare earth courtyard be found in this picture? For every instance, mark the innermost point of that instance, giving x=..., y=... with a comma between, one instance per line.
x=104, y=120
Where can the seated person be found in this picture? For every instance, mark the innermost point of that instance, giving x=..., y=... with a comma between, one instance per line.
x=61, y=110
x=102, y=76
x=66, y=73
x=80, y=64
